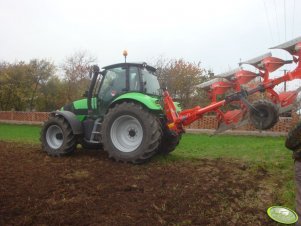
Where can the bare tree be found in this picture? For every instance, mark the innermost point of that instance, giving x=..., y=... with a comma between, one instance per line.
x=182, y=79
x=40, y=72
x=76, y=69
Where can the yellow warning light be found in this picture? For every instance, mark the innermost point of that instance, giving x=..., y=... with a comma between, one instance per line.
x=125, y=53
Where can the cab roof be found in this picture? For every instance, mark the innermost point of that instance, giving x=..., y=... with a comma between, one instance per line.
x=144, y=65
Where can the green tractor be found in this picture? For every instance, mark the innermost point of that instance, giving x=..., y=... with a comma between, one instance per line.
x=121, y=114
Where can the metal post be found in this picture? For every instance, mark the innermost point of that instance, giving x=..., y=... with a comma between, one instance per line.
x=284, y=81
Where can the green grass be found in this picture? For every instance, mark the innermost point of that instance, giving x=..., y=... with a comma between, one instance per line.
x=20, y=133
x=258, y=152
x=248, y=148
x=266, y=153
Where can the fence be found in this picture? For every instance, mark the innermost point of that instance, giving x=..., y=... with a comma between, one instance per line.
x=207, y=122
x=23, y=117
x=283, y=125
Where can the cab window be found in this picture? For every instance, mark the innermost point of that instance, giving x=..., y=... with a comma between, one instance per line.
x=134, y=79
x=151, y=83
x=114, y=83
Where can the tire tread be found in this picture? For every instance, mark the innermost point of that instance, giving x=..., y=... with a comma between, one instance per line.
x=150, y=120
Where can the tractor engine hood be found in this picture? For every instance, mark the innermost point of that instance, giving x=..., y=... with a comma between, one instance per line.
x=80, y=107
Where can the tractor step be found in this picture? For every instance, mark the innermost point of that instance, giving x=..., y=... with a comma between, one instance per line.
x=95, y=135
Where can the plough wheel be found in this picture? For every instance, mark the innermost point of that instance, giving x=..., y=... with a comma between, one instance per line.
x=264, y=114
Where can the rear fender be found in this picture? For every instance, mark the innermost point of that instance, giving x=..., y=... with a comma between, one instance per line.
x=148, y=101
x=76, y=125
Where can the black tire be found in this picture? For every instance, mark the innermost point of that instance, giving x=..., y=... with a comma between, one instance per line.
x=145, y=127
x=169, y=142
x=57, y=137
x=265, y=116
x=293, y=139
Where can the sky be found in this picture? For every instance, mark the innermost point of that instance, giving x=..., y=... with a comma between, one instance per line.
x=218, y=33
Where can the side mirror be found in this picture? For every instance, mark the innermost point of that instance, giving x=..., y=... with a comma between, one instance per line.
x=95, y=69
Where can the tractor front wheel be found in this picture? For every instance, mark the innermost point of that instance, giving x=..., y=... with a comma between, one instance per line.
x=130, y=133
x=57, y=137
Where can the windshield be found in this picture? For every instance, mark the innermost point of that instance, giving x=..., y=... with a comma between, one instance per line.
x=114, y=83
x=151, y=83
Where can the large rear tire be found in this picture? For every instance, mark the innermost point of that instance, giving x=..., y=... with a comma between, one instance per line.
x=130, y=133
x=265, y=116
x=293, y=140
x=57, y=137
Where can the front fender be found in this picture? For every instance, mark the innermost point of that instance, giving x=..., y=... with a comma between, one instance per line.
x=76, y=125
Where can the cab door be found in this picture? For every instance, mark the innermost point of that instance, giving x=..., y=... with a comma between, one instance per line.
x=113, y=84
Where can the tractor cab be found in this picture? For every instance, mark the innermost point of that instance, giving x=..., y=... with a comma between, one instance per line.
x=118, y=79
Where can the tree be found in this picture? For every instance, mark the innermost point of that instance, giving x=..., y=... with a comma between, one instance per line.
x=20, y=83
x=182, y=79
x=40, y=72
x=76, y=69
x=15, y=86
x=51, y=95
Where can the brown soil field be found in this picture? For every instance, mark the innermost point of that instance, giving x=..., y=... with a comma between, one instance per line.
x=87, y=188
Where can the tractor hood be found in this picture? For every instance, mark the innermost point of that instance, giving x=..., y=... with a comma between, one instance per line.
x=80, y=107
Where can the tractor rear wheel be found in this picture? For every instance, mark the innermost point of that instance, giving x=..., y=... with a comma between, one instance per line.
x=264, y=114
x=293, y=140
x=57, y=137
x=130, y=133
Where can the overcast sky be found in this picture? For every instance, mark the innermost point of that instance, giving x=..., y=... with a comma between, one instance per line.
x=216, y=32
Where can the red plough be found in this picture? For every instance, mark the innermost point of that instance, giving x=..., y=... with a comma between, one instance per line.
x=262, y=114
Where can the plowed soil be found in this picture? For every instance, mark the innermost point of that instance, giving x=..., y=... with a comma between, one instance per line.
x=89, y=189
